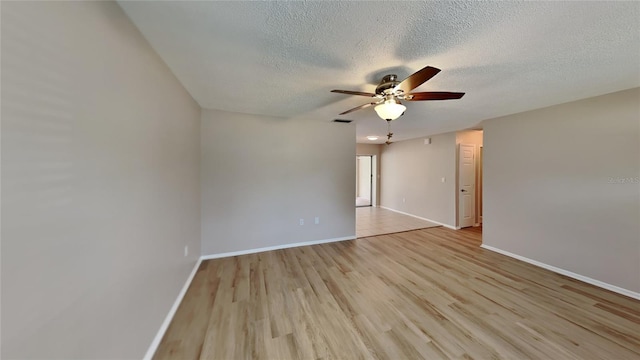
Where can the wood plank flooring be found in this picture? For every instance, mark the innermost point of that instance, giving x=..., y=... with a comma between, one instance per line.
x=371, y=221
x=424, y=294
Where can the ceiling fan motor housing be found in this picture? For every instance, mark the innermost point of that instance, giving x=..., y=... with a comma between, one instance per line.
x=388, y=82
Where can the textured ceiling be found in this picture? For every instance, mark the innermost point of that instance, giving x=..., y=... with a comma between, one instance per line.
x=282, y=58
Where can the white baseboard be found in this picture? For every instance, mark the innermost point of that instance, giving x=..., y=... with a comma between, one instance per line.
x=167, y=320
x=588, y=280
x=421, y=218
x=276, y=247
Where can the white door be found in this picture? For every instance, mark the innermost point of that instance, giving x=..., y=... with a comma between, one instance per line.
x=363, y=181
x=466, y=185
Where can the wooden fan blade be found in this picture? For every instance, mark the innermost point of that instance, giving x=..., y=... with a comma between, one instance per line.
x=349, y=92
x=417, y=78
x=359, y=107
x=433, y=95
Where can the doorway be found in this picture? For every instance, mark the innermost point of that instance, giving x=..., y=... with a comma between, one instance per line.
x=479, y=188
x=466, y=185
x=469, y=162
x=364, y=180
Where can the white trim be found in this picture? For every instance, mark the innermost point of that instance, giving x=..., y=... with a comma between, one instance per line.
x=421, y=218
x=167, y=320
x=276, y=247
x=570, y=274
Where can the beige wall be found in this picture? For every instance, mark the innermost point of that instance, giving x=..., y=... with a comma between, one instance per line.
x=561, y=187
x=368, y=149
x=100, y=156
x=413, y=171
x=469, y=137
x=260, y=175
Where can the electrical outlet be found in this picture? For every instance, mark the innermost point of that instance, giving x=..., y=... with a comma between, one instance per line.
x=444, y=180
x=301, y=221
x=317, y=220
x=186, y=250
x=403, y=200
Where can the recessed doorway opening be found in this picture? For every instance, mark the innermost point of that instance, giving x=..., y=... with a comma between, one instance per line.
x=364, y=180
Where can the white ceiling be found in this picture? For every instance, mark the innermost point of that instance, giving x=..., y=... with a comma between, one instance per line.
x=282, y=58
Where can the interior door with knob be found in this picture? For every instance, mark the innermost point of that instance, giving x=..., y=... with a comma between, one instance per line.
x=466, y=185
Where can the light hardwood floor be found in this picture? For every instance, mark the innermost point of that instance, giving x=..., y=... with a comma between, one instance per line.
x=373, y=220
x=430, y=294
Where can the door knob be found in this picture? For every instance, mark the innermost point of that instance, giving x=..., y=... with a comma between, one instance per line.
x=463, y=190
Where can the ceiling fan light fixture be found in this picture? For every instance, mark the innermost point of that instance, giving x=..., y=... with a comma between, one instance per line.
x=372, y=138
x=390, y=110
x=390, y=91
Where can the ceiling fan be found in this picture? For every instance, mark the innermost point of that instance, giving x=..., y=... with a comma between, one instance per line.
x=390, y=91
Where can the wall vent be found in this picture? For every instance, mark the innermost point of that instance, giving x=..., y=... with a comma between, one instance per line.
x=342, y=121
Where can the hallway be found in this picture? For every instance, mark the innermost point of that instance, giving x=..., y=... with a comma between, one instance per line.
x=372, y=221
